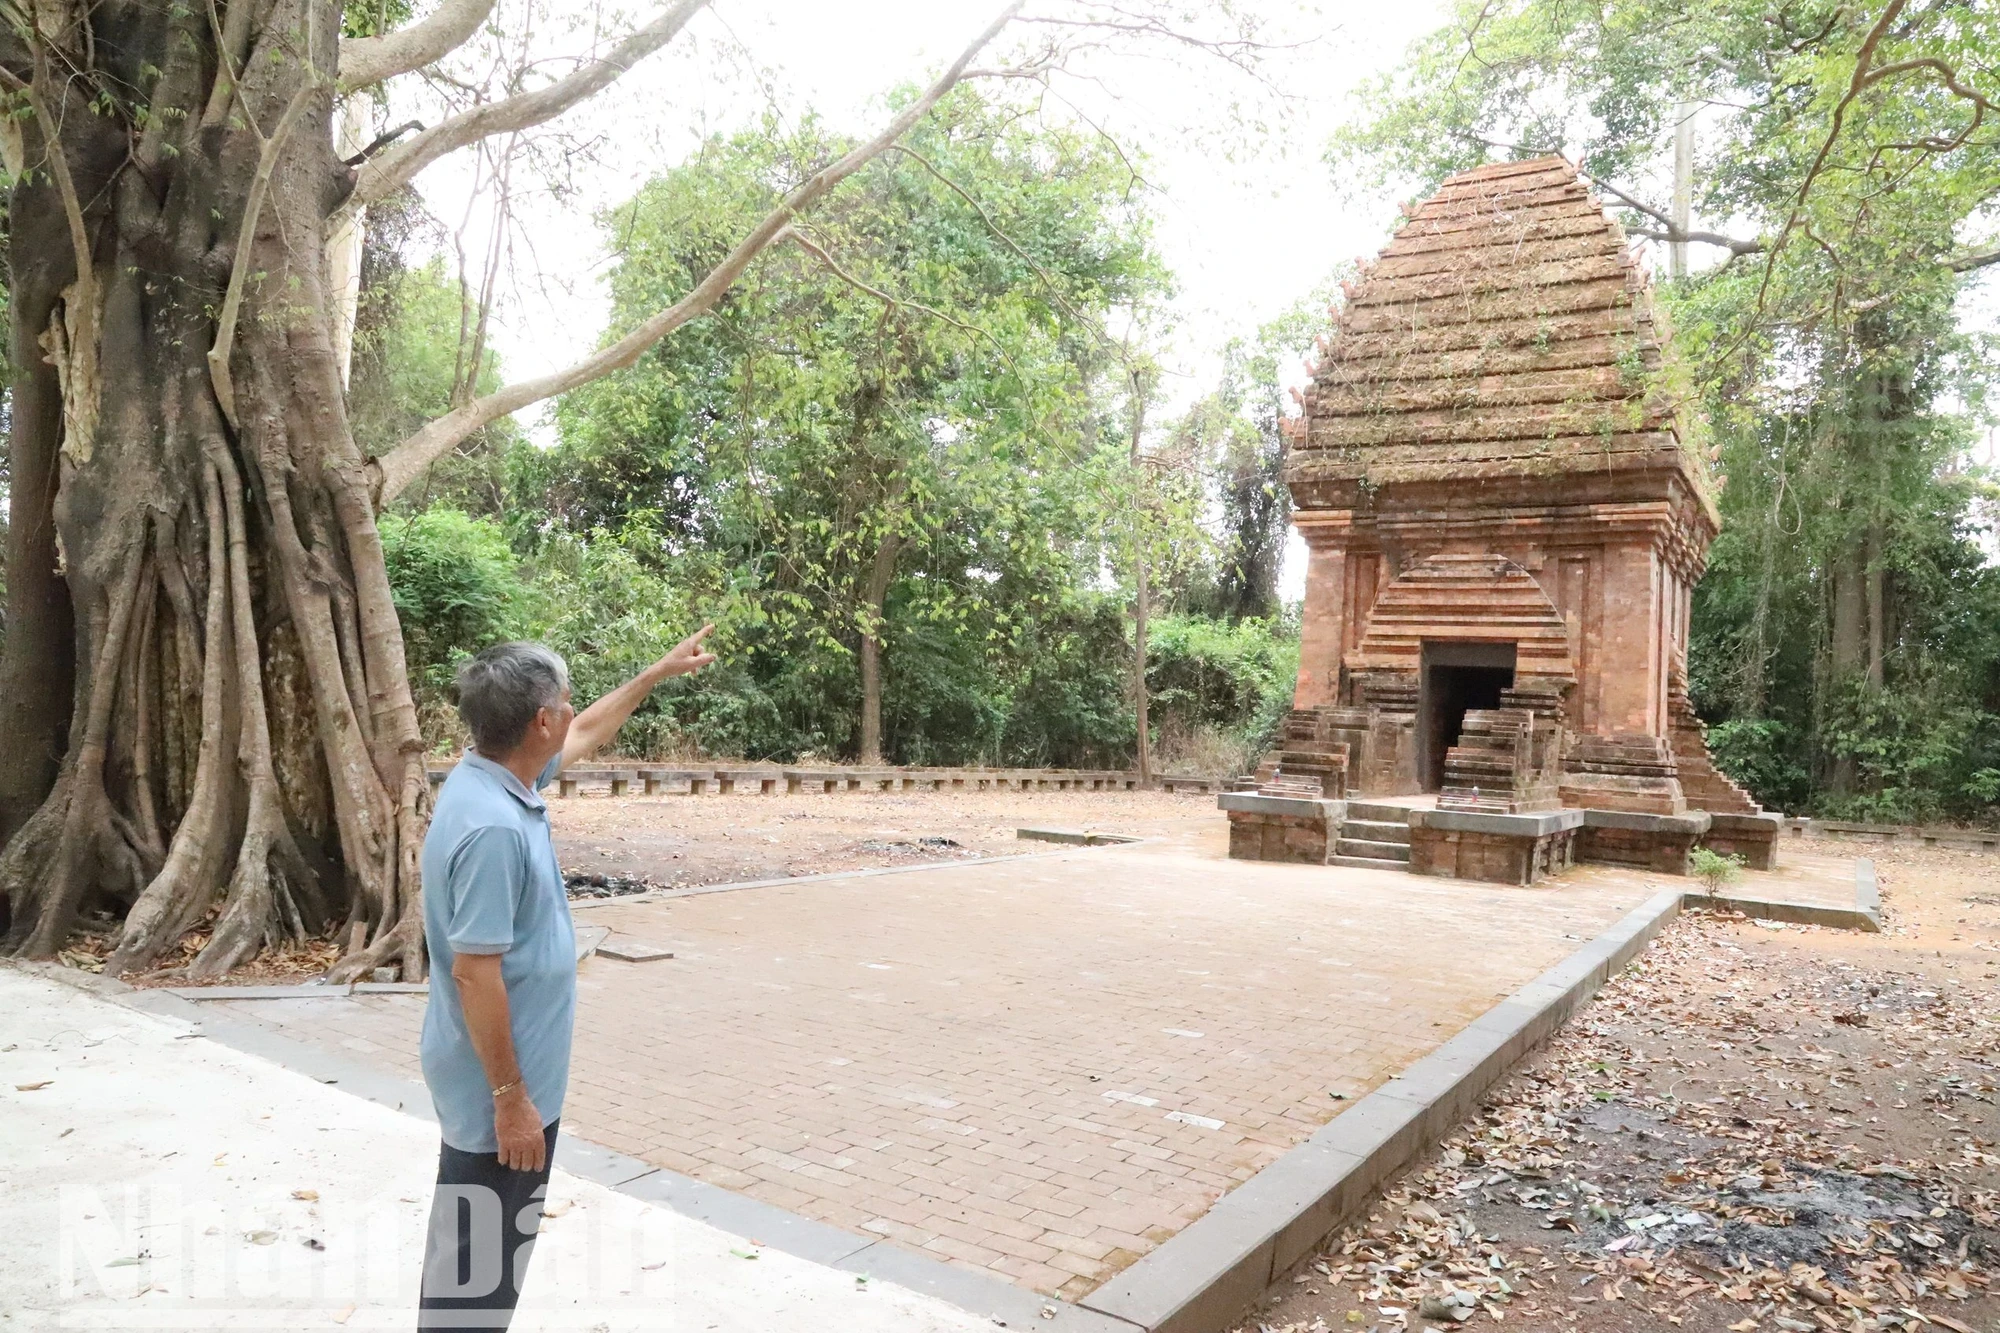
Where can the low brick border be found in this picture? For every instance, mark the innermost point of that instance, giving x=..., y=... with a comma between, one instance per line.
x=651, y=779
x=1204, y=1276
x=1987, y=840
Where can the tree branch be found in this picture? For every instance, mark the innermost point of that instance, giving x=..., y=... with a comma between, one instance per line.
x=391, y=171
x=1864, y=59
x=406, y=461
x=1667, y=231
x=246, y=237
x=1717, y=239
x=1966, y=263
x=366, y=60
x=889, y=299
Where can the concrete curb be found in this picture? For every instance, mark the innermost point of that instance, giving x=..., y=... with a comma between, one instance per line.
x=1865, y=915
x=1081, y=837
x=764, y=1224
x=1209, y=1273
x=1206, y=1275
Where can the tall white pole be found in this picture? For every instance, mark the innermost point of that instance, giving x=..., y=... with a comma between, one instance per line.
x=1677, y=250
x=343, y=242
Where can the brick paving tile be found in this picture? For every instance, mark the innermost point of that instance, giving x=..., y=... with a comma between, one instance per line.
x=927, y=1057
x=977, y=1256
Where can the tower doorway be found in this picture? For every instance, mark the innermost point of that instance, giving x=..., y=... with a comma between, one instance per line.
x=1457, y=678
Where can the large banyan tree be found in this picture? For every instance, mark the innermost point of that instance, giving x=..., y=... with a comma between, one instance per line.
x=204, y=714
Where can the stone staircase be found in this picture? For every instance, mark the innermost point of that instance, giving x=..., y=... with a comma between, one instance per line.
x=1373, y=837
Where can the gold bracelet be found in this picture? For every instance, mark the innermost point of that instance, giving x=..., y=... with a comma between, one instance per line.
x=505, y=1088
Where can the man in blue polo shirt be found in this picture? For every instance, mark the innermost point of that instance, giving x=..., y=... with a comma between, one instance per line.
x=503, y=969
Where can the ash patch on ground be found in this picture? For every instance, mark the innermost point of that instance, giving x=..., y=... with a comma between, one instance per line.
x=587, y=884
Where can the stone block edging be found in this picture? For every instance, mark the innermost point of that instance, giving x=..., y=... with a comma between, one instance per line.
x=654, y=779
x=1864, y=915
x=1984, y=840
x=1203, y=1277
x=1694, y=821
x=1081, y=837
x=1536, y=825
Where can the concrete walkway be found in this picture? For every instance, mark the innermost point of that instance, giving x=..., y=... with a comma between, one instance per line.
x=152, y=1179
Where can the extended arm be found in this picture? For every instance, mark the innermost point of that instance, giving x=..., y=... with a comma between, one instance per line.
x=517, y=1125
x=596, y=725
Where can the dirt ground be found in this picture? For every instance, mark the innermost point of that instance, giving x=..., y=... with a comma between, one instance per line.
x=1753, y=1128
x=676, y=841
x=611, y=846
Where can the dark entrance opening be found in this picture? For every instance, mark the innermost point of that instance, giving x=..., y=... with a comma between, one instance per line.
x=1457, y=678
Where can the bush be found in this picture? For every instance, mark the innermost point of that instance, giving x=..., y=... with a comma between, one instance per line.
x=457, y=588
x=1765, y=756
x=1219, y=688
x=1714, y=869
x=610, y=614
x=1071, y=703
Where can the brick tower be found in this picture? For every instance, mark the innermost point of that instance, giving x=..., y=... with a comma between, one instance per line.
x=1506, y=520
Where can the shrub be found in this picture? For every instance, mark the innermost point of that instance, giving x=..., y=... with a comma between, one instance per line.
x=1219, y=688
x=457, y=589
x=1764, y=755
x=1714, y=869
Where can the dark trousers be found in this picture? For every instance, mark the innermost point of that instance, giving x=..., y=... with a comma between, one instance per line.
x=484, y=1217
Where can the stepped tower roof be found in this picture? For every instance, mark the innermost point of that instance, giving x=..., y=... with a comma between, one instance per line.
x=1505, y=335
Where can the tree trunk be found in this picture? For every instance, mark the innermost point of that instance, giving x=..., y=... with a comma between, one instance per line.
x=874, y=600
x=1140, y=599
x=1141, y=694
x=241, y=746
x=1850, y=573
x=38, y=663
x=1878, y=619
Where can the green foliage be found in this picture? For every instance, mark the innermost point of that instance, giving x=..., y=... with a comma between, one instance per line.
x=456, y=588
x=809, y=433
x=1715, y=870
x=1220, y=688
x=1767, y=757
x=1233, y=438
x=371, y=18
x=611, y=612
x=969, y=436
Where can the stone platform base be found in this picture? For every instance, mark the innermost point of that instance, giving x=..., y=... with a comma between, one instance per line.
x=1651, y=842
x=1281, y=828
x=1752, y=837
x=1498, y=849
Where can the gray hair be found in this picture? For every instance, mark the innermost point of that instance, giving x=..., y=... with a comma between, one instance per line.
x=501, y=690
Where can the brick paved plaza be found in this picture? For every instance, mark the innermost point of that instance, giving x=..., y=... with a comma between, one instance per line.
x=1041, y=1067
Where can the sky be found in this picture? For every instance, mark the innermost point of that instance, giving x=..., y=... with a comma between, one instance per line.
x=1249, y=221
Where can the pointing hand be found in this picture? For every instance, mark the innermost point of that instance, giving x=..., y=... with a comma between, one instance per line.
x=687, y=656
